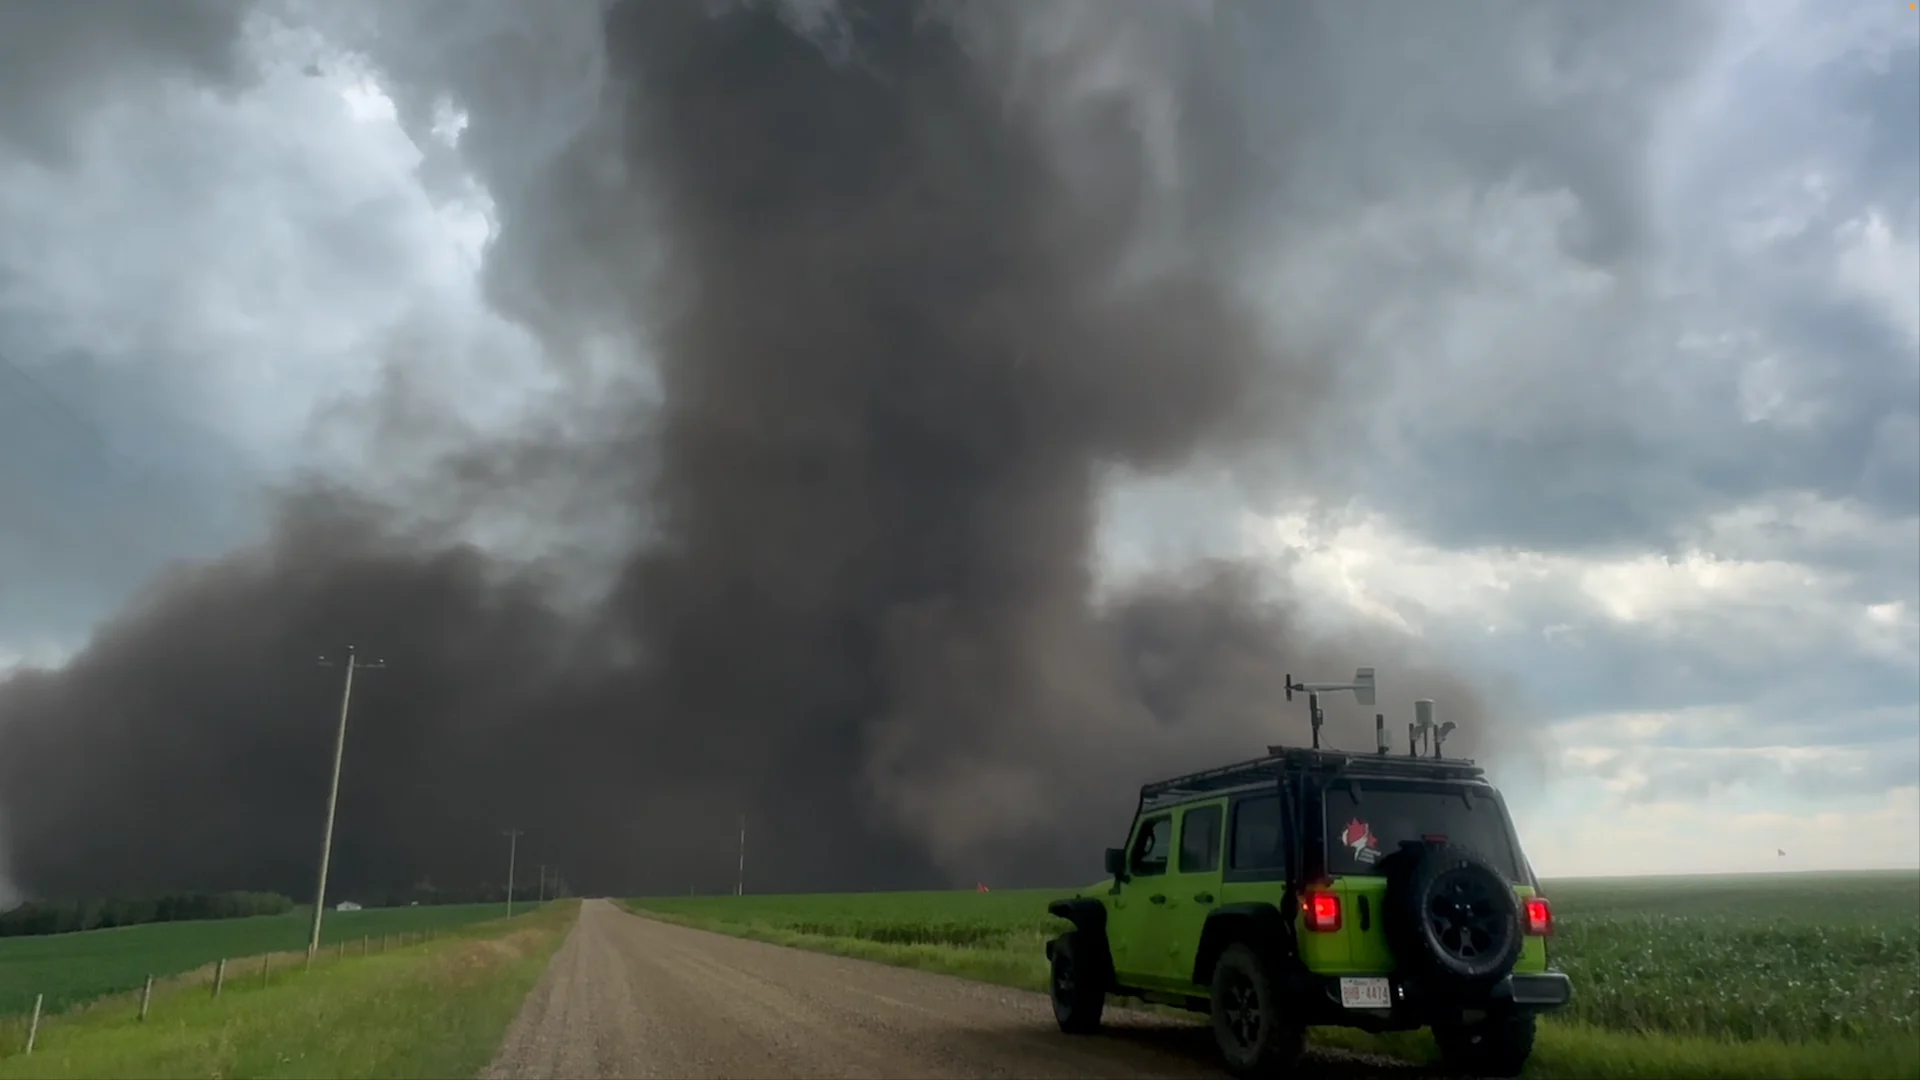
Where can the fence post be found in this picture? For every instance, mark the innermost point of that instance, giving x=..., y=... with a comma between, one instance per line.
x=146, y=997
x=264, y=959
x=340, y=949
x=33, y=1026
x=365, y=940
x=219, y=976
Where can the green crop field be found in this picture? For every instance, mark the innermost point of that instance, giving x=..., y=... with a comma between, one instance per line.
x=74, y=968
x=1762, y=975
x=1794, y=958
x=430, y=1009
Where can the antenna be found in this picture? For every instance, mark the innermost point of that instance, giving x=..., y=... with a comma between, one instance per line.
x=1362, y=687
x=1420, y=731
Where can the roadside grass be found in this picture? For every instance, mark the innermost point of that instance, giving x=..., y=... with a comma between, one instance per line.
x=1752, y=976
x=71, y=969
x=438, y=1008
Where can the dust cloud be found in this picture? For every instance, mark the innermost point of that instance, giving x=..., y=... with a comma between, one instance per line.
x=899, y=287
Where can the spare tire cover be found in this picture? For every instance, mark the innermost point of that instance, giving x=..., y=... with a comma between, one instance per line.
x=1452, y=918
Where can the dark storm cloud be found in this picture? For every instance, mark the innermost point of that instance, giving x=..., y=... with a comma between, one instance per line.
x=898, y=327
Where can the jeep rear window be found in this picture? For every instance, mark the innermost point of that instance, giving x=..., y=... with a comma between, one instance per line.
x=1364, y=829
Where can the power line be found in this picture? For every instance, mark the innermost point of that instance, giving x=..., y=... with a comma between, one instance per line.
x=52, y=404
x=513, y=842
x=333, y=793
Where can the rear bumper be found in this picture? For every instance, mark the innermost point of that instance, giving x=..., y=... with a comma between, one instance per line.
x=1413, y=1005
x=1539, y=990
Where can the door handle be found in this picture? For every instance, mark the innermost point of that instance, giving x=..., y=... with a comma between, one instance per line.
x=1157, y=898
x=1203, y=897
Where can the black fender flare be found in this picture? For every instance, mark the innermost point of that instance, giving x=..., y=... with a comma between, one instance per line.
x=1260, y=924
x=1084, y=912
x=1089, y=918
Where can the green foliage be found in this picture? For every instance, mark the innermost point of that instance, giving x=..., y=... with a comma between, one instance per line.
x=74, y=968
x=68, y=916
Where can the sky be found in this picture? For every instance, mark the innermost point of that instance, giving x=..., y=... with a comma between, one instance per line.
x=1625, y=313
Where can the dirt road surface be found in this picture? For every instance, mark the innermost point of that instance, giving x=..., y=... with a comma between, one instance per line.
x=627, y=996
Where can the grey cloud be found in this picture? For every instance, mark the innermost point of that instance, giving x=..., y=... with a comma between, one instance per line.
x=1802, y=683
x=191, y=286
x=60, y=60
x=1570, y=420
x=105, y=480
x=1694, y=775
x=1395, y=99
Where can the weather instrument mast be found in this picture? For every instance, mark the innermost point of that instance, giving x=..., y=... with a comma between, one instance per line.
x=1362, y=687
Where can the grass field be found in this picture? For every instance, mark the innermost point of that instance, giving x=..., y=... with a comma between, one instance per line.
x=74, y=968
x=1774, y=976
x=433, y=1009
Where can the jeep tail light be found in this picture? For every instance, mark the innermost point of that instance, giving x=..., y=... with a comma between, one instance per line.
x=1539, y=916
x=1322, y=912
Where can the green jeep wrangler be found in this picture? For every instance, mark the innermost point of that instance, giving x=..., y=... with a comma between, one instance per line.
x=1319, y=887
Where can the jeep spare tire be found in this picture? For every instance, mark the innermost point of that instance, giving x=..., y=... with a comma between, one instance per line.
x=1452, y=918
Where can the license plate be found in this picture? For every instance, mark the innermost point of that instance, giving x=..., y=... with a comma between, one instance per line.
x=1366, y=994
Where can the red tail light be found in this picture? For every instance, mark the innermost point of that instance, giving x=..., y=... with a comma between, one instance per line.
x=1321, y=911
x=1539, y=916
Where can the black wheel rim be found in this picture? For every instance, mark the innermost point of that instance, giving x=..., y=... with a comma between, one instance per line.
x=1240, y=1012
x=1063, y=986
x=1466, y=916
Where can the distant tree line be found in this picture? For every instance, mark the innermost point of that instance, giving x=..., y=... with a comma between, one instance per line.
x=64, y=916
x=426, y=893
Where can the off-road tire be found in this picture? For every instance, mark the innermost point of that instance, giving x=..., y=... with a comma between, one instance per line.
x=1498, y=1046
x=1452, y=919
x=1252, y=1036
x=1078, y=982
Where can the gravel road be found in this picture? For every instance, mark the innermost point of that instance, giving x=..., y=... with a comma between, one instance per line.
x=630, y=997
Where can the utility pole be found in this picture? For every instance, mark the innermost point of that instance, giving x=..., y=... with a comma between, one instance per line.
x=513, y=843
x=333, y=793
x=543, y=883
x=740, y=878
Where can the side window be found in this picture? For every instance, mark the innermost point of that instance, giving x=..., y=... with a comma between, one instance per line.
x=1256, y=834
x=1200, y=840
x=1150, y=847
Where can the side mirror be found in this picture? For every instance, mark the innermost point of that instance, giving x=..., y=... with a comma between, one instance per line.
x=1116, y=863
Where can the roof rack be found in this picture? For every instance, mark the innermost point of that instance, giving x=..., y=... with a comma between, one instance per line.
x=1423, y=759
x=1280, y=759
